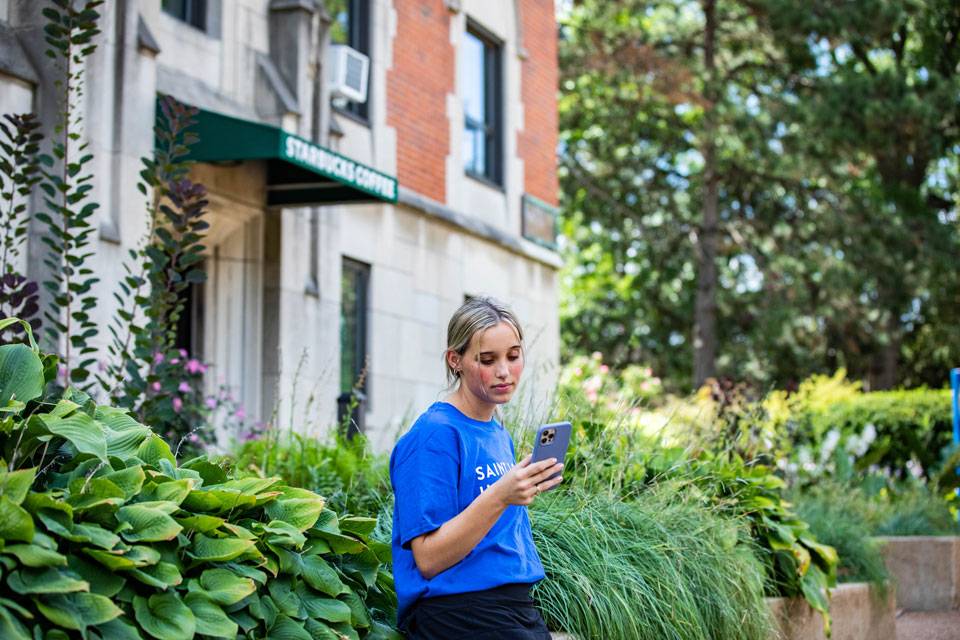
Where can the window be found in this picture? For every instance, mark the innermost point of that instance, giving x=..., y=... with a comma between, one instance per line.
x=480, y=71
x=353, y=326
x=351, y=26
x=193, y=12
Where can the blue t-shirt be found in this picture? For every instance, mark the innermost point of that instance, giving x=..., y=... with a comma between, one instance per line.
x=437, y=469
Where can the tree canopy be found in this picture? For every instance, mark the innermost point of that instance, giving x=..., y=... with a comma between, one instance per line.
x=783, y=172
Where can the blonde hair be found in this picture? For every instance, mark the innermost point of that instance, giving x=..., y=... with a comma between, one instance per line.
x=473, y=316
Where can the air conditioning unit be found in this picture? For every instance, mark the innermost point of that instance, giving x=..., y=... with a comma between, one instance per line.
x=349, y=71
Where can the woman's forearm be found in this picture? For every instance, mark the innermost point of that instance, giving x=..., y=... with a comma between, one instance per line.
x=442, y=548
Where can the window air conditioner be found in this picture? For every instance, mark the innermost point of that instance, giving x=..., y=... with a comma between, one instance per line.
x=349, y=70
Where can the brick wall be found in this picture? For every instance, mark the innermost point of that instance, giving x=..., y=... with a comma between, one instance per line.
x=417, y=86
x=537, y=143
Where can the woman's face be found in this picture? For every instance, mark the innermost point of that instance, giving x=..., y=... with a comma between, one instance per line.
x=490, y=369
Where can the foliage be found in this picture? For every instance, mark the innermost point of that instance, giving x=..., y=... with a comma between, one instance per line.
x=901, y=433
x=845, y=530
x=144, y=375
x=344, y=470
x=834, y=131
x=19, y=172
x=587, y=381
x=660, y=566
x=70, y=32
x=618, y=459
x=119, y=541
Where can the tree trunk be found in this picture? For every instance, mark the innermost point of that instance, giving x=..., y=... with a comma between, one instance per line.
x=705, y=309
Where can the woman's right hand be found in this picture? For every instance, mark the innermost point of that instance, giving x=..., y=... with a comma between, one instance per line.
x=526, y=480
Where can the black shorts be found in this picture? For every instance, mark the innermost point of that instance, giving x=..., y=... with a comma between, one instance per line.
x=501, y=613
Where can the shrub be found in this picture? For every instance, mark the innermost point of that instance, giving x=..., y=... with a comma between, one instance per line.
x=904, y=433
x=104, y=533
x=344, y=470
x=845, y=529
x=661, y=566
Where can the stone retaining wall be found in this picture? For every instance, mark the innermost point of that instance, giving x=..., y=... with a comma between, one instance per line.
x=925, y=571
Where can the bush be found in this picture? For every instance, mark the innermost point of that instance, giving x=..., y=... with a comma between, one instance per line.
x=902, y=433
x=661, y=566
x=344, y=470
x=104, y=533
x=845, y=529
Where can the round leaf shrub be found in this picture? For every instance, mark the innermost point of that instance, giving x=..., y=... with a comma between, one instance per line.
x=104, y=535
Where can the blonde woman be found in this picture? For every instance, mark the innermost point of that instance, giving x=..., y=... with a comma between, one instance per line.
x=463, y=553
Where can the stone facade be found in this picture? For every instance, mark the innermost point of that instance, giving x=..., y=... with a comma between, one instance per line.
x=271, y=309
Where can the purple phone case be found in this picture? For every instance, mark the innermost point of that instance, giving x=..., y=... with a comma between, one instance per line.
x=556, y=448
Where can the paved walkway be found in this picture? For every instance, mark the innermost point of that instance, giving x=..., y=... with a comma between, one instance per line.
x=929, y=625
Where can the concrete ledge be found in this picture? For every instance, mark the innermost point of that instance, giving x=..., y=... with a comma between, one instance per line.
x=925, y=570
x=858, y=612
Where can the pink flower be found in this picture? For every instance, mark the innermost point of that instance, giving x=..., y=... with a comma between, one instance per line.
x=155, y=386
x=177, y=404
x=183, y=353
x=194, y=438
x=211, y=402
x=62, y=371
x=174, y=360
x=184, y=387
x=194, y=366
x=240, y=414
x=157, y=358
x=604, y=369
x=592, y=395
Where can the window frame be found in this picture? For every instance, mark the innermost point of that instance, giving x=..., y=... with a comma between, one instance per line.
x=196, y=14
x=361, y=343
x=493, y=98
x=358, y=37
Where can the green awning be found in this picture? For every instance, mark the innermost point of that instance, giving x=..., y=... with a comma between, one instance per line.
x=299, y=172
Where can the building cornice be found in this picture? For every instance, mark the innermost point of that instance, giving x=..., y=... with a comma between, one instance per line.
x=474, y=226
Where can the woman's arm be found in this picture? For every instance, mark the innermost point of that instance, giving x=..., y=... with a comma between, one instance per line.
x=442, y=548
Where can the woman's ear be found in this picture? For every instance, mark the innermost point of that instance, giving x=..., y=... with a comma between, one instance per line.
x=454, y=359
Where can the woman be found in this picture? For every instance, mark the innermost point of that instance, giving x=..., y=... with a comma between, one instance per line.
x=463, y=553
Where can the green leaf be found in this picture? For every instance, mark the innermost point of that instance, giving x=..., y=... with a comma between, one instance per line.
x=80, y=430
x=281, y=533
x=16, y=484
x=125, y=559
x=218, y=549
x=153, y=449
x=147, y=524
x=10, y=626
x=357, y=525
x=320, y=631
x=359, y=617
x=287, y=629
x=318, y=573
x=225, y=587
x=165, y=617
x=77, y=610
x=15, y=522
x=119, y=629
x=218, y=501
x=161, y=575
x=327, y=609
x=88, y=493
x=45, y=581
x=106, y=583
x=201, y=522
x=129, y=480
x=211, y=619
x=33, y=555
x=21, y=374
x=298, y=507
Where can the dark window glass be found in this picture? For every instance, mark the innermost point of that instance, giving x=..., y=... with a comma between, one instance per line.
x=351, y=26
x=480, y=71
x=193, y=12
x=353, y=326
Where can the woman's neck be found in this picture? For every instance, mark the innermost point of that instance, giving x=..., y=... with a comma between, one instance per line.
x=471, y=406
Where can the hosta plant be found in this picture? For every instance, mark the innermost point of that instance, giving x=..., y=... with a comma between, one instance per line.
x=104, y=535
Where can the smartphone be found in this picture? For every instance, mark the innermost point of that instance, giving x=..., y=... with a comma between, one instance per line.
x=551, y=442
